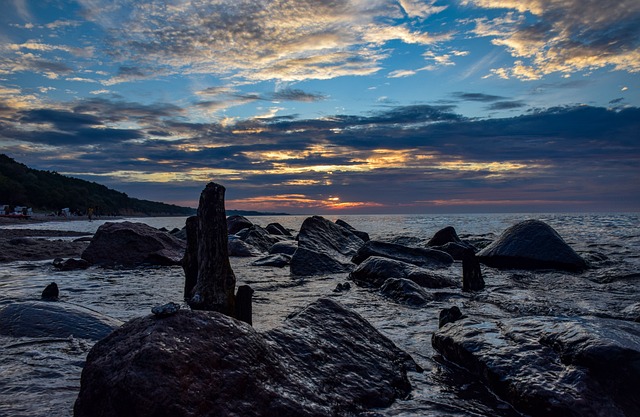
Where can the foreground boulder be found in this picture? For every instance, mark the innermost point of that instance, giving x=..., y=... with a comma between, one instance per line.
x=236, y=223
x=429, y=258
x=531, y=244
x=324, y=248
x=551, y=366
x=46, y=319
x=375, y=270
x=130, y=244
x=325, y=361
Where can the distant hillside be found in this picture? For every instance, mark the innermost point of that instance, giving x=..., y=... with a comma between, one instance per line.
x=50, y=191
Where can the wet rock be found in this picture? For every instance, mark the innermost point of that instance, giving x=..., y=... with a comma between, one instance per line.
x=531, y=244
x=324, y=248
x=287, y=247
x=375, y=270
x=50, y=292
x=131, y=244
x=240, y=248
x=258, y=238
x=471, y=273
x=405, y=291
x=277, y=229
x=362, y=235
x=430, y=258
x=244, y=309
x=324, y=361
x=632, y=312
x=456, y=250
x=279, y=260
x=236, y=223
x=447, y=235
x=23, y=241
x=70, y=264
x=43, y=319
x=449, y=315
x=546, y=366
x=166, y=310
x=341, y=287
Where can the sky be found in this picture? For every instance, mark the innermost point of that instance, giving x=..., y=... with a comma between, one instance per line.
x=337, y=106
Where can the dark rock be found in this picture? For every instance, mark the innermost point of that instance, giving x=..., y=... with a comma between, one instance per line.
x=70, y=264
x=23, y=241
x=342, y=287
x=51, y=292
x=244, y=311
x=236, y=223
x=84, y=239
x=43, y=319
x=258, y=238
x=324, y=248
x=131, y=244
x=411, y=241
x=430, y=258
x=287, y=247
x=471, y=273
x=375, y=270
x=240, y=248
x=279, y=260
x=449, y=315
x=190, y=259
x=166, y=310
x=456, y=250
x=444, y=236
x=551, y=366
x=324, y=361
x=277, y=229
x=405, y=291
x=531, y=244
x=632, y=312
x=362, y=235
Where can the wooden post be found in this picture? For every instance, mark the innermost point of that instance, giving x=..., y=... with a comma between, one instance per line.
x=471, y=273
x=190, y=260
x=216, y=284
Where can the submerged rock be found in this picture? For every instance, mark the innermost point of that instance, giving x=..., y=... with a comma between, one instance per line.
x=531, y=244
x=43, y=319
x=279, y=260
x=449, y=315
x=324, y=361
x=131, y=244
x=405, y=291
x=70, y=264
x=324, y=248
x=551, y=366
x=50, y=292
x=375, y=270
x=430, y=258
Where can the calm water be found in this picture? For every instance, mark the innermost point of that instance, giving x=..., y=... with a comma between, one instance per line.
x=42, y=378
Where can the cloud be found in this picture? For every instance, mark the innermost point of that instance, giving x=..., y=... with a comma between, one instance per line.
x=288, y=94
x=286, y=40
x=506, y=105
x=485, y=98
x=563, y=36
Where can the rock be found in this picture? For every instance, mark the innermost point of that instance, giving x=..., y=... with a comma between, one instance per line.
x=444, y=236
x=240, y=248
x=23, y=241
x=287, y=247
x=362, y=235
x=324, y=248
x=279, y=260
x=429, y=258
x=405, y=291
x=236, y=223
x=166, y=310
x=190, y=258
x=258, y=238
x=244, y=310
x=341, y=287
x=44, y=319
x=70, y=264
x=449, y=315
x=375, y=270
x=632, y=312
x=456, y=250
x=531, y=244
x=471, y=273
x=551, y=366
x=179, y=233
x=51, y=292
x=132, y=244
x=277, y=229
x=324, y=361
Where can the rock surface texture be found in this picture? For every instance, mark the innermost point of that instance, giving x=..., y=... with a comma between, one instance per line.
x=531, y=244
x=550, y=366
x=325, y=361
x=429, y=258
x=375, y=270
x=132, y=244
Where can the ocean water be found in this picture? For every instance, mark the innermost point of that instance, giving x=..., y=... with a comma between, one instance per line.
x=41, y=377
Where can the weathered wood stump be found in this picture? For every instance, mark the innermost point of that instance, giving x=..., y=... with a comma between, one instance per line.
x=215, y=288
x=190, y=260
x=471, y=274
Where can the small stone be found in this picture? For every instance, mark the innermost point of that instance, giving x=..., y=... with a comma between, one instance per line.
x=166, y=310
x=449, y=315
x=51, y=292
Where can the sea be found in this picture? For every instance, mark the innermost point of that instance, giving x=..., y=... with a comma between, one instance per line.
x=41, y=377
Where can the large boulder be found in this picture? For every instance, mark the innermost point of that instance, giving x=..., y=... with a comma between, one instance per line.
x=60, y=320
x=240, y=248
x=235, y=223
x=444, y=236
x=277, y=229
x=531, y=244
x=131, y=244
x=362, y=235
x=325, y=361
x=429, y=258
x=551, y=366
x=324, y=248
x=287, y=247
x=258, y=238
x=375, y=270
